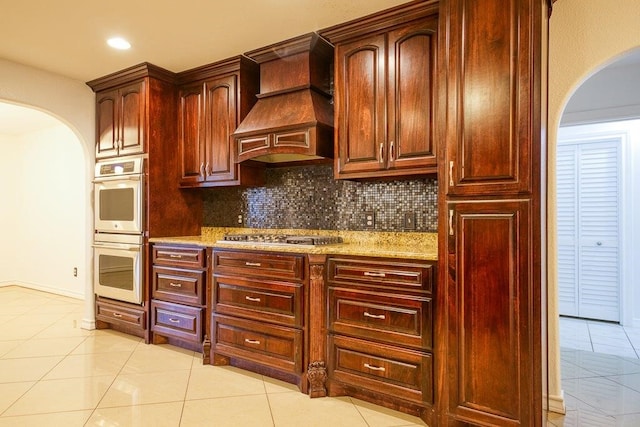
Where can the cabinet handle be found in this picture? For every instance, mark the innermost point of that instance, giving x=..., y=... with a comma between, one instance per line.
x=391, y=151
x=202, y=169
x=206, y=170
x=375, y=316
x=374, y=274
x=175, y=285
x=451, y=184
x=252, y=264
x=175, y=256
x=374, y=368
x=381, y=152
x=172, y=320
x=118, y=315
x=450, y=222
x=248, y=341
x=248, y=298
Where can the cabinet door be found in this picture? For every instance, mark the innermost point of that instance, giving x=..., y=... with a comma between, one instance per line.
x=412, y=68
x=106, y=131
x=131, y=118
x=191, y=134
x=492, y=88
x=360, y=106
x=220, y=123
x=493, y=314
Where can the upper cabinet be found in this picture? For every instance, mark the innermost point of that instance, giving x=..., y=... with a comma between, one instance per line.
x=120, y=120
x=385, y=86
x=212, y=101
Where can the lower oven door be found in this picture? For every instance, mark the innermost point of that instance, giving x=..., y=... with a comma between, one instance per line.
x=118, y=271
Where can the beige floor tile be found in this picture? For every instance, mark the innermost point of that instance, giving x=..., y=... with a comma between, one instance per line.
x=44, y=347
x=276, y=386
x=297, y=409
x=14, y=331
x=11, y=392
x=29, y=369
x=61, y=395
x=223, y=381
x=107, y=343
x=64, y=328
x=156, y=415
x=158, y=358
x=89, y=365
x=145, y=388
x=378, y=416
x=42, y=320
x=240, y=411
x=66, y=419
x=7, y=346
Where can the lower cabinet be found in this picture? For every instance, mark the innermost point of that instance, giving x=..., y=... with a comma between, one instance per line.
x=121, y=316
x=178, y=295
x=380, y=332
x=258, y=313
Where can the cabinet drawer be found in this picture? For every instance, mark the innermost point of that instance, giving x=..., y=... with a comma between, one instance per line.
x=176, y=320
x=270, y=345
x=271, y=302
x=396, y=319
x=178, y=285
x=385, y=273
x=178, y=256
x=124, y=315
x=259, y=264
x=381, y=368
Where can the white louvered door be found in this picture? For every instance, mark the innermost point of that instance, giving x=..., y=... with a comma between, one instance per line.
x=588, y=228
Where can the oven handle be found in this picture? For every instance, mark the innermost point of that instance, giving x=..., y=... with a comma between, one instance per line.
x=124, y=246
x=136, y=177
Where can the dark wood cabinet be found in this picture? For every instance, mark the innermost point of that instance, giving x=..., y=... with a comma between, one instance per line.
x=259, y=320
x=385, y=88
x=212, y=101
x=120, y=116
x=493, y=69
x=380, y=332
x=178, y=295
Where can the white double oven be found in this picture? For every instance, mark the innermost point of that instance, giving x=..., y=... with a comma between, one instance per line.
x=119, y=228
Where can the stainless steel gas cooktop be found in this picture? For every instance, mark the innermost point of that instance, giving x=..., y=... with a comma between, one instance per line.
x=282, y=239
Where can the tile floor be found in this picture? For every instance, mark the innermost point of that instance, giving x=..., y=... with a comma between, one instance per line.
x=52, y=373
x=600, y=369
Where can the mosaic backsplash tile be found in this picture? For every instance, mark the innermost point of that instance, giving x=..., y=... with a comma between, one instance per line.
x=308, y=197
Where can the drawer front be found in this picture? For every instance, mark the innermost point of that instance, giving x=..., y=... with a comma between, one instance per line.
x=178, y=256
x=381, y=368
x=114, y=313
x=271, y=302
x=270, y=345
x=396, y=319
x=384, y=273
x=178, y=285
x=259, y=264
x=176, y=320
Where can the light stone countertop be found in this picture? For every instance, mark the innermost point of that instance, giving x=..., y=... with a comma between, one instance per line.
x=420, y=246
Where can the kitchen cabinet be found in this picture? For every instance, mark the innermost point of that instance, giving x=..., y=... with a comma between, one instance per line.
x=212, y=101
x=493, y=70
x=385, y=92
x=259, y=318
x=120, y=115
x=129, y=318
x=178, y=295
x=380, y=332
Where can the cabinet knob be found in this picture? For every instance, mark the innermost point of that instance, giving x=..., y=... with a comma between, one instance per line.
x=599, y=243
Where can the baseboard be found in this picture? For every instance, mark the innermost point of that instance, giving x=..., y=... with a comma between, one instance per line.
x=557, y=404
x=47, y=289
x=88, y=324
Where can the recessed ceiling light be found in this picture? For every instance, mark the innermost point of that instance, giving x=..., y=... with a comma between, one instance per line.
x=119, y=43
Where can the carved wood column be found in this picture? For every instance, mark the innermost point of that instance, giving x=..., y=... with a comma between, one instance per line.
x=317, y=330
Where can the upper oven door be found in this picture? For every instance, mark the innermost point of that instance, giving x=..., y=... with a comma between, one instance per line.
x=118, y=204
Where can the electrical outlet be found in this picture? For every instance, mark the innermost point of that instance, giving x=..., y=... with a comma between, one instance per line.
x=75, y=271
x=240, y=219
x=409, y=221
x=370, y=219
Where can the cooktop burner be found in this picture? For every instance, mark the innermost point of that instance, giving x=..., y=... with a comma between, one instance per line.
x=285, y=239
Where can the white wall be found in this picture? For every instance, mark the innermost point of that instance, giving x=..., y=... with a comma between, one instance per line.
x=8, y=212
x=73, y=103
x=47, y=231
x=584, y=37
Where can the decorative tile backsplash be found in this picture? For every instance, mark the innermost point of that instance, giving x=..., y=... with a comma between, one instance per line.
x=308, y=197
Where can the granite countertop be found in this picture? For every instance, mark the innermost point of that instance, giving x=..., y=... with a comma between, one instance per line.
x=421, y=246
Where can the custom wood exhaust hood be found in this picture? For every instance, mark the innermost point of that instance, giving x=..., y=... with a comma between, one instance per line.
x=293, y=117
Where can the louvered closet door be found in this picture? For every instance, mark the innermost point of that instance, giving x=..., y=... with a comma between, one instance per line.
x=588, y=229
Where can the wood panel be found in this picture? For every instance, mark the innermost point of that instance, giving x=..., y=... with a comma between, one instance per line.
x=220, y=122
x=191, y=134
